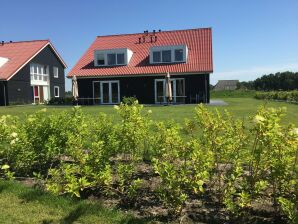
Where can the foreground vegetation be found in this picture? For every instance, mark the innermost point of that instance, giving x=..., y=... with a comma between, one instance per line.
x=226, y=166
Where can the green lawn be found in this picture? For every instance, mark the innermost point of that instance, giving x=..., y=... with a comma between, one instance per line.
x=239, y=107
x=20, y=204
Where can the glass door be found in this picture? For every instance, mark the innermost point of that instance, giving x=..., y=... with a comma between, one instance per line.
x=178, y=90
x=109, y=92
x=105, y=95
x=159, y=91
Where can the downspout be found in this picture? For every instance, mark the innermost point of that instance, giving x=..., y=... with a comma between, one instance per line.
x=206, y=94
x=4, y=94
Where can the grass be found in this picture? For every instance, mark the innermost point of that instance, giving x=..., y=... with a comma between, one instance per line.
x=21, y=204
x=239, y=107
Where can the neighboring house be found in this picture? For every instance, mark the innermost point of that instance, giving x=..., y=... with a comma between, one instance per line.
x=30, y=72
x=226, y=85
x=118, y=66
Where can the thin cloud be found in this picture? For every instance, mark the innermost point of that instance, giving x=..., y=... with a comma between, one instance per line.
x=252, y=73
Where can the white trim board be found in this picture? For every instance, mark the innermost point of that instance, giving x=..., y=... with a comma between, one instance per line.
x=141, y=76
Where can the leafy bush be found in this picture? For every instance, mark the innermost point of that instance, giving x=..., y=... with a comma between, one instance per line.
x=129, y=100
x=234, y=164
x=290, y=96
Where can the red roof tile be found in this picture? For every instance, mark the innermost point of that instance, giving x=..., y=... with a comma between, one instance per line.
x=19, y=54
x=198, y=41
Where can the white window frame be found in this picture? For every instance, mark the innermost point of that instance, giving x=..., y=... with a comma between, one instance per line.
x=56, y=74
x=110, y=91
x=127, y=56
x=174, y=90
x=172, y=49
x=57, y=87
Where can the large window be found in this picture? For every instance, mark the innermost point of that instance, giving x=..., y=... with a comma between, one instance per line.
x=168, y=54
x=115, y=59
x=112, y=57
x=39, y=72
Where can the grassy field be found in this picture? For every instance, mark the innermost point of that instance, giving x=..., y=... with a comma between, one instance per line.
x=21, y=204
x=239, y=107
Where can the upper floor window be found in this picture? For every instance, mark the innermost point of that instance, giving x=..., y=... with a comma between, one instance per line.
x=112, y=57
x=100, y=59
x=179, y=55
x=56, y=72
x=168, y=54
x=38, y=69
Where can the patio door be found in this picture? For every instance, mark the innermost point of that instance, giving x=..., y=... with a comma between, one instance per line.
x=110, y=93
x=178, y=90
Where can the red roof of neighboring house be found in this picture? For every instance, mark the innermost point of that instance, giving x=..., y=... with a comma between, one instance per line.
x=198, y=41
x=19, y=54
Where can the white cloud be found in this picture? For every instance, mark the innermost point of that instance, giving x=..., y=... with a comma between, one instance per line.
x=252, y=73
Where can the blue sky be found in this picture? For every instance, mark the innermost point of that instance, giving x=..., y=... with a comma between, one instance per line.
x=250, y=38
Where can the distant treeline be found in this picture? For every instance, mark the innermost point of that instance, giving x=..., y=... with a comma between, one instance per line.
x=278, y=81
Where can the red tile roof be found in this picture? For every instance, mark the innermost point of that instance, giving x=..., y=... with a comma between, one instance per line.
x=198, y=41
x=19, y=54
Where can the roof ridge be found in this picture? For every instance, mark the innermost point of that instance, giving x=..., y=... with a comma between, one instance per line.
x=22, y=41
x=166, y=31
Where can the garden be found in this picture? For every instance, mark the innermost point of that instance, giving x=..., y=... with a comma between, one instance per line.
x=213, y=167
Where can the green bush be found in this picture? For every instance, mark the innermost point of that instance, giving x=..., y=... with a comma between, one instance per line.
x=290, y=96
x=238, y=165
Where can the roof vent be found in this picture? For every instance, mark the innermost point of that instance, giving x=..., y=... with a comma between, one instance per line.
x=146, y=38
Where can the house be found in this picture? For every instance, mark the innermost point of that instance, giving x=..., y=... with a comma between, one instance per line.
x=226, y=85
x=30, y=72
x=126, y=65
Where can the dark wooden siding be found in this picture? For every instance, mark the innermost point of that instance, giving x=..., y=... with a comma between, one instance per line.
x=143, y=87
x=3, y=93
x=19, y=87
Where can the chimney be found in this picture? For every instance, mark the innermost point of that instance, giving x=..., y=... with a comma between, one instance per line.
x=140, y=40
x=159, y=30
x=153, y=32
x=2, y=42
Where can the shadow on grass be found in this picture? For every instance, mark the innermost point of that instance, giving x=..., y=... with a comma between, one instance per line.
x=75, y=214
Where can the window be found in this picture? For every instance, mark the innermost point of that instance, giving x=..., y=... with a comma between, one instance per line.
x=101, y=59
x=166, y=56
x=179, y=55
x=56, y=72
x=156, y=56
x=56, y=91
x=111, y=59
x=120, y=59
